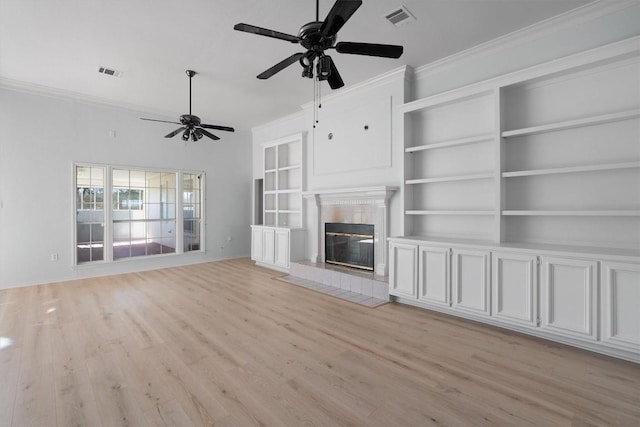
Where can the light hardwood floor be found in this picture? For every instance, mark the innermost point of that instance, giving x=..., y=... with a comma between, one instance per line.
x=223, y=343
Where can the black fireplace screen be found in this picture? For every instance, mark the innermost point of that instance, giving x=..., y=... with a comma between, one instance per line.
x=350, y=245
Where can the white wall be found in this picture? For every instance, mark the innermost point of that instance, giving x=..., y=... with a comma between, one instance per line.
x=41, y=138
x=596, y=25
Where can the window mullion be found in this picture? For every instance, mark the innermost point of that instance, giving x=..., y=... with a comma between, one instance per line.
x=108, y=215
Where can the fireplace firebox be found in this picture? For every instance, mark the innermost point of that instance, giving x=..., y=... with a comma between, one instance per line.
x=350, y=245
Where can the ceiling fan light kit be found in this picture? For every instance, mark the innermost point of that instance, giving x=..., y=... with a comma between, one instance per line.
x=192, y=127
x=319, y=36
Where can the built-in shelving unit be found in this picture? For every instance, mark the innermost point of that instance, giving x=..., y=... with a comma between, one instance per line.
x=522, y=202
x=551, y=158
x=283, y=182
x=450, y=177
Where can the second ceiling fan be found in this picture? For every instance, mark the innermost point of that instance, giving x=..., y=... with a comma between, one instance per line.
x=317, y=37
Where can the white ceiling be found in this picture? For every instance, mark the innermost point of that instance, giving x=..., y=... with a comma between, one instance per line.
x=60, y=44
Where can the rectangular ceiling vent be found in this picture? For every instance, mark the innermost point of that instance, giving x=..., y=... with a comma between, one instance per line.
x=400, y=16
x=109, y=72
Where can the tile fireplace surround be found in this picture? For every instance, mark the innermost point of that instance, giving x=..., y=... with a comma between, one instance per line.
x=365, y=205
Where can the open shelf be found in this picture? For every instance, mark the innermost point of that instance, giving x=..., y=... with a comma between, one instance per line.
x=619, y=212
x=290, y=167
x=570, y=124
x=450, y=178
x=450, y=212
x=451, y=143
x=573, y=169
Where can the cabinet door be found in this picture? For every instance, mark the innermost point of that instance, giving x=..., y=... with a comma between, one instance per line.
x=282, y=248
x=621, y=305
x=256, y=243
x=568, y=296
x=433, y=275
x=514, y=288
x=268, y=246
x=470, y=286
x=403, y=269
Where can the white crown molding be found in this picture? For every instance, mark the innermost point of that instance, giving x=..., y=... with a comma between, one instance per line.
x=628, y=48
x=300, y=114
x=568, y=19
x=34, y=89
x=405, y=72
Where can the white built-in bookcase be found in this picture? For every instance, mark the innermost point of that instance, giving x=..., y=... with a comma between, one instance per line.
x=283, y=182
x=548, y=155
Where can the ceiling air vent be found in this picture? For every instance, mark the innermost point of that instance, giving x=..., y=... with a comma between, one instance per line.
x=109, y=72
x=400, y=16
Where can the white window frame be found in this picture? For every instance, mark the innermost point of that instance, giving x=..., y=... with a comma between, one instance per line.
x=108, y=210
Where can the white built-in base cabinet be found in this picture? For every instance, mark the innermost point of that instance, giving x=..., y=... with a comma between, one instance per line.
x=514, y=288
x=620, y=302
x=403, y=269
x=471, y=286
x=568, y=293
x=276, y=247
x=588, y=300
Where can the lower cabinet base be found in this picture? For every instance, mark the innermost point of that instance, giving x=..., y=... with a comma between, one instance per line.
x=272, y=266
x=533, y=331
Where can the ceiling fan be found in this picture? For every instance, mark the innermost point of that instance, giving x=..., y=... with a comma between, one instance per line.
x=317, y=37
x=191, y=125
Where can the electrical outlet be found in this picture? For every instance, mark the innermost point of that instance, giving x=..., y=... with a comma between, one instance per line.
x=54, y=256
x=230, y=238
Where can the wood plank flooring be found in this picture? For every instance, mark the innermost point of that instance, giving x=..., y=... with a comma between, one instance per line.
x=225, y=344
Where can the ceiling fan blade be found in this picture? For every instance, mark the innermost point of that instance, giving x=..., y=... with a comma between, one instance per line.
x=338, y=16
x=225, y=128
x=209, y=134
x=266, y=32
x=370, y=49
x=334, y=80
x=174, y=133
x=163, y=121
x=280, y=66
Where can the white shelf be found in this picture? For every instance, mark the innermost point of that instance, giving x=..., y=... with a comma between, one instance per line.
x=288, y=168
x=270, y=211
x=289, y=191
x=290, y=211
x=455, y=212
x=573, y=169
x=271, y=171
x=632, y=213
x=451, y=143
x=570, y=124
x=450, y=178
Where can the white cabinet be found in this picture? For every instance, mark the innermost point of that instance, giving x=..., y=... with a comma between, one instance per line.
x=621, y=305
x=568, y=294
x=276, y=247
x=256, y=244
x=514, y=288
x=471, y=281
x=268, y=245
x=434, y=275
x=281, y=249
x=403, y=269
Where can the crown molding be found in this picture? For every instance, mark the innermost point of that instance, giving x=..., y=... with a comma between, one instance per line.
x=33, y=89
x=405, y=71
x=540, y=29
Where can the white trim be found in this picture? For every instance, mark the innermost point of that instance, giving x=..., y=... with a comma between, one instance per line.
x=538, y=30
x=618, y=50
x=405, y=71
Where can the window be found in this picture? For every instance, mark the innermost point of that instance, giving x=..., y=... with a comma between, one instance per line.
x=141, y=219
x=89, y=213
x=191, y=212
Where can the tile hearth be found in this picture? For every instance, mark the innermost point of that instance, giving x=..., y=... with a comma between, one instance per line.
x=360, y=287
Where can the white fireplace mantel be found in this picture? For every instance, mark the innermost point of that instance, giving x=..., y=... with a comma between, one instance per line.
x=366, y=205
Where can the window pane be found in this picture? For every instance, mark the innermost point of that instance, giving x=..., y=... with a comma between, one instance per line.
x=191, y=236
x=89, y=194
x=120, y=178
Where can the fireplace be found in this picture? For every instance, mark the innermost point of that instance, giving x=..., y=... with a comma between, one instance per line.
x=350, y=245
